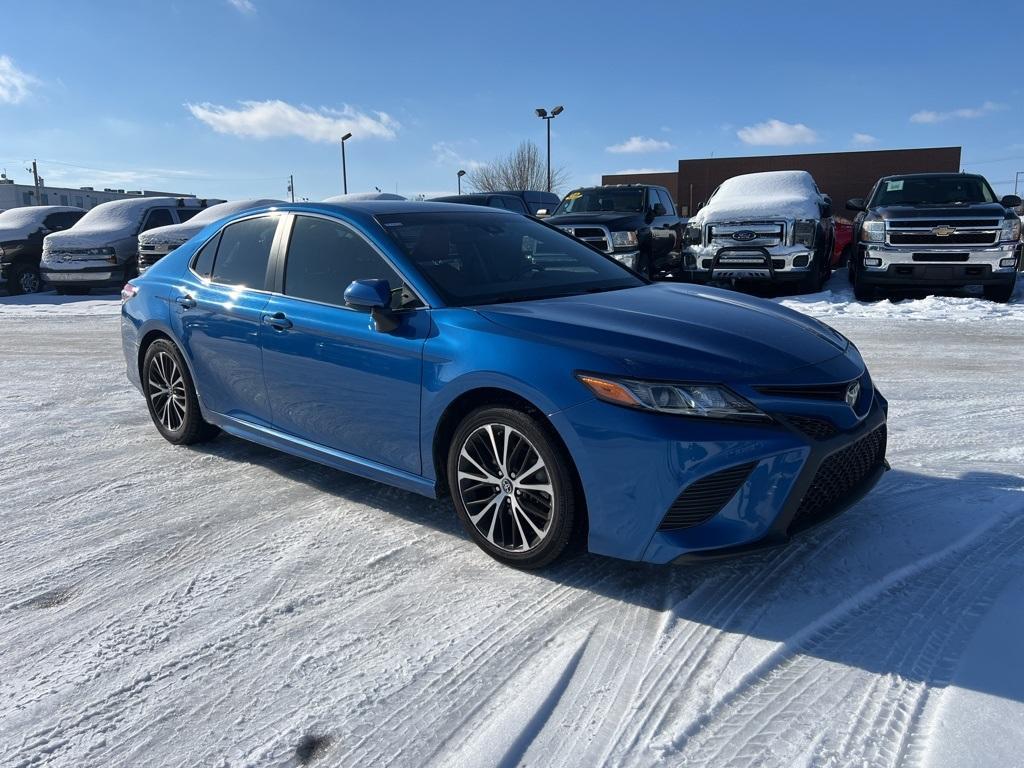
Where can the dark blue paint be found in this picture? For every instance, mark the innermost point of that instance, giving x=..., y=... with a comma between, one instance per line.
x=328, y=386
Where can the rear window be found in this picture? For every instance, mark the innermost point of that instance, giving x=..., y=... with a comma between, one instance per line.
x=158, y=217
x=244, y=251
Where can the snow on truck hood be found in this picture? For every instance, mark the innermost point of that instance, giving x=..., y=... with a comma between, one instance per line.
x=107, y=222
x=669, y=331
x=176, y=234
x=19, y=223
x=774, y=194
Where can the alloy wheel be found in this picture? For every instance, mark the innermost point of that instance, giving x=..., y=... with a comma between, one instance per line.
x=505, y=487
x=28, y=281
x=166, y=391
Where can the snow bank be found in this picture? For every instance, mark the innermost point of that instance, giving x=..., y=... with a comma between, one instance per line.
x=361, y=196
x=788, y=194
x=176, y=234
x=837, y=301
x=52, y=305
x=19, y=223
x=116, y=219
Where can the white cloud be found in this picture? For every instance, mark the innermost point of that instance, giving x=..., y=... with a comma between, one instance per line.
x=14, y=84
x=638, y=144
x=274, y=118
x=967, y=113
x=243, y=6
x=447, y=153
x=863, y=139
x=777, y=133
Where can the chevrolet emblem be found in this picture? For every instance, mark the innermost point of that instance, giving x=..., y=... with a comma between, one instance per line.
x=943, y=231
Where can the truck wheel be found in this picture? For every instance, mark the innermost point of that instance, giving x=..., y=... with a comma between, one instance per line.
x=863, y=292
x=25, y=280
x=813, y=280
x=1000, y=293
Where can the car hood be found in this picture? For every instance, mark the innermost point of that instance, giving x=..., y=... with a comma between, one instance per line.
x=995, y=210
x=611, y=219
x=679, y=332
x=172, y=234
x=86, y=238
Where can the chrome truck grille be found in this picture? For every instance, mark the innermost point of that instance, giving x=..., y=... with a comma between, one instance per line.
x=594, y=235
x=943, y=232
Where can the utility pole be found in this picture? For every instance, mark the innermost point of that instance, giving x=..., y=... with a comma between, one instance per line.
x=35, y=181
x=291, y=186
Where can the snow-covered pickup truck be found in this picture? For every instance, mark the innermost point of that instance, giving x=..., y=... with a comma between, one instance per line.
x=775, y=226
x=935, y=230
x=101, y=249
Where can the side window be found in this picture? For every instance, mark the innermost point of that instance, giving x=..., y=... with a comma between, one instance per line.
x=496, y=202
x=58, y=221
x=666, y=200
x=202, y=265
x=184, y=214
x=243, y=252
x=652, y=197
x=515, y=204
x=158, y=217
x=325, y=256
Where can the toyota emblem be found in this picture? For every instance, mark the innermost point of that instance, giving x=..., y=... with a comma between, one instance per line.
x=852, y=393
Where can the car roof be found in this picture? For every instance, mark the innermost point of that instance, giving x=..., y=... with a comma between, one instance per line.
x=933, y=174
x=365, y=210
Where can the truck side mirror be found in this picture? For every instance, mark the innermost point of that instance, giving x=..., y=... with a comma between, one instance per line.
x=659, y=209
x=701, y=204
x=1011, y=201
x=856, y=204
x=826, y=210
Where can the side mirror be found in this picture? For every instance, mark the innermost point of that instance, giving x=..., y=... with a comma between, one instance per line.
x=659, y=210
x=375, y=296
x=826, y=210
x=1011, y=201
x=856, y=204
x=542, y=212
x=701, y=204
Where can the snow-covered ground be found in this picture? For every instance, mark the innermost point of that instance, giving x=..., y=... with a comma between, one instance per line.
x=229, y=605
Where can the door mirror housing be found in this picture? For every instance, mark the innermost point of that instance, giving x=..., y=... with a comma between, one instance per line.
x=826, y=210
x=1011, y=201
x=375, y=296
x=542, y=212
x=856, y=204
x=659, y=210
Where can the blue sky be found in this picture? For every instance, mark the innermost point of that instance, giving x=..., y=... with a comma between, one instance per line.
x=226, y=98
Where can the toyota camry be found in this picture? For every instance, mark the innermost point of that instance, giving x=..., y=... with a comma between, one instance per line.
x=550, y=391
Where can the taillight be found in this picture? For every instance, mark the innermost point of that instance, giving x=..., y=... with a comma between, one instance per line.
x=128, y=292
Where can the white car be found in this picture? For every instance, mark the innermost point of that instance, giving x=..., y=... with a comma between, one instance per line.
x=154, y=244
x=101, y=249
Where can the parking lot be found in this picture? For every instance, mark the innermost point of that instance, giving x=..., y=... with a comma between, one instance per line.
x=231, y=605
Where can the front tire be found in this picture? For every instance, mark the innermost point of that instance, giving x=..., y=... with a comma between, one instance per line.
x=171, y=396
x=511, y=486
x=1000, y=293
x=25, y=280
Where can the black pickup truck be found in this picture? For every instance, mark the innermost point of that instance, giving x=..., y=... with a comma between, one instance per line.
x=935, y=230
x=636, y=224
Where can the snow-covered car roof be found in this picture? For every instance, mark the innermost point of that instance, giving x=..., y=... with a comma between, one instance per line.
x=356, y=196
x=114, y=220
x=788, y=194
x=176, y=234
x=19, y=223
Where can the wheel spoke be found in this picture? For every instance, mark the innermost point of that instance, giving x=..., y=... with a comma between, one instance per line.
x=494, y=447
x=526, y=515
x=486, y=475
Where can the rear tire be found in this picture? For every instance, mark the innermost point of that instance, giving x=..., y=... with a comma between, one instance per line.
x=171, y=396
x=511, y=486
x=25, y=280
x=1000, y=293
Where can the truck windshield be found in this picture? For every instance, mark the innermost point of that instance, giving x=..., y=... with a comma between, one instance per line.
x=489, y=258
x=603, y=199
x=933, y=190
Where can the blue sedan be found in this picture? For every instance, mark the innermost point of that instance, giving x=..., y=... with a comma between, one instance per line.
x=451, y=349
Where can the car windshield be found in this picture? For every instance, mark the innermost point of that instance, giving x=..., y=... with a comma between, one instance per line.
x=489, y=258
x=599, y=199
x=933, y=190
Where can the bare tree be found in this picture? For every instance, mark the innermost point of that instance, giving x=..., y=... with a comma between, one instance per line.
x=522, y=168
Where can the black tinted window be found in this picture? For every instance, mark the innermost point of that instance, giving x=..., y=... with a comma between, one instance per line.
x=184, y=214
x=203, y=264
x=325, y=256
x=59, y=221
x=489, y=257
x=160, y=217
x=496, y=202
x=933, y=190
x=244, y=251
x=666, y=200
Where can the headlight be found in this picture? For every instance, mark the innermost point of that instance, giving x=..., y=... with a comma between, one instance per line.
x=707, y=400
x=872, y=231
x=625, y=239
x=804, y=231
x=1010, y=231
x=626, y=259
x=693, y=235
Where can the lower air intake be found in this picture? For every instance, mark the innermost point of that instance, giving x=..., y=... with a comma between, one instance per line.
x=702, y=500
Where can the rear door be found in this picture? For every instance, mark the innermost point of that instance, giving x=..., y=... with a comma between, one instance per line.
x=332, y=378
x=219, y=316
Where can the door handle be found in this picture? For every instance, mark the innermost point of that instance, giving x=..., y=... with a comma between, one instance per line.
x=277, y=321
x=185, y=302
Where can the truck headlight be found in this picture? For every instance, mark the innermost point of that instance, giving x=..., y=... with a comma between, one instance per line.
x=804, y=231
x=626, y=239
x=706, y=400
x=626, y=259
x=872, y=231
x=693, y=235
x=1010, y=231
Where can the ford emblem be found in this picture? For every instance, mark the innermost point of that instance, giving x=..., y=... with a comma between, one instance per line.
x=852, y=393
x=744, y=235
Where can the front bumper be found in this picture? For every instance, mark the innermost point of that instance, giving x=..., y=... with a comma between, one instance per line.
x=103, y=275
x=634, y=465
x=947, y=267
x=754, y=263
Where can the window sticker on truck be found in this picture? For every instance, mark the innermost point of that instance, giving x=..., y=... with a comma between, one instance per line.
x=894, y=186
x=574, y=196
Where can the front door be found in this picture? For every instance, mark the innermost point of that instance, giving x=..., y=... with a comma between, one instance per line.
x=332, y=378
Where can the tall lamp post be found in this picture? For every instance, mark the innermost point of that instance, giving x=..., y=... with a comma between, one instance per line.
x=344, y=169
x=460, y=174
x=543, y=115
x=1016, y=179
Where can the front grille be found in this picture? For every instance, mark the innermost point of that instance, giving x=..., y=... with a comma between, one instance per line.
x=819, y=429
x=148, y=259
x=814, y=392
x=766, y=234
x=839, y=476
x=959, y=223
x=598, y=237
x=927, y=238
x=702, y=500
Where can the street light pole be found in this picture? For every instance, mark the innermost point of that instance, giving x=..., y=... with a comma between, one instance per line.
x=344, y=169
x=1016, y=180
x=543, y=115
x=460, y=174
